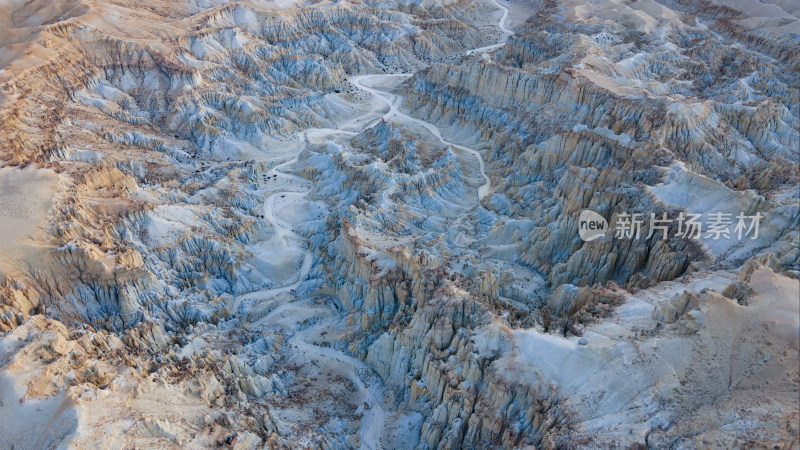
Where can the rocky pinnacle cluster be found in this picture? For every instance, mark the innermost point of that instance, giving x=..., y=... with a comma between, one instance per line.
x=355, y=224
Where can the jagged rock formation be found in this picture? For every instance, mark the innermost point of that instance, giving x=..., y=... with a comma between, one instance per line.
x=215, y=234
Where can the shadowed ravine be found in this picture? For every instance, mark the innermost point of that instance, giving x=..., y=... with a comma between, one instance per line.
x=373, y=422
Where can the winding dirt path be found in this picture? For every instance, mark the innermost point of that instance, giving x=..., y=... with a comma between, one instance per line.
x=393, y=100
x=372, y=424
x=502, y=25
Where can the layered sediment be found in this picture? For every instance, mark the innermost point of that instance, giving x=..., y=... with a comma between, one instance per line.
x=216, y=234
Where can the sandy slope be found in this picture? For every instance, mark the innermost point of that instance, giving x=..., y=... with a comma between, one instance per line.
x=26, y=196
x=29, y=423
x=616, y=378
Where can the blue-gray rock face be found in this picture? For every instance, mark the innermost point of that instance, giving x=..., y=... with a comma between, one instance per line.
x=356, y=224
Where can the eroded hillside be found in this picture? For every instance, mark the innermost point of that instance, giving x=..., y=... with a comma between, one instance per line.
x=342, y=225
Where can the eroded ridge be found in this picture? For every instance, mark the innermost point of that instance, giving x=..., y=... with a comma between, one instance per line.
x=356, y=225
